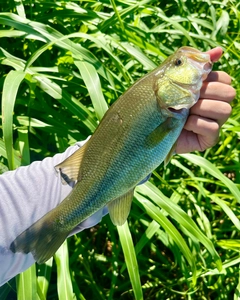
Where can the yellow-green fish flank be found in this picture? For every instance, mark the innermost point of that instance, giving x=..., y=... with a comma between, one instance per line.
x=137, y=134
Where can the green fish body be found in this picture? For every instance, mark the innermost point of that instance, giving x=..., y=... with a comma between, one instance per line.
x=135, y=136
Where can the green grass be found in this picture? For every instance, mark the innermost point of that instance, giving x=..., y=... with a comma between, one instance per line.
x=62, y=65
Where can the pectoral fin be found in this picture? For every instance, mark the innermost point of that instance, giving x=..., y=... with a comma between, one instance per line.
x=119, y=208
x=159, y=133
x=170, y=154
x=69, y=168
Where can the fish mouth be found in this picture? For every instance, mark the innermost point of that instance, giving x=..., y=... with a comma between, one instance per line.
x=178, y=111
x=174, y=110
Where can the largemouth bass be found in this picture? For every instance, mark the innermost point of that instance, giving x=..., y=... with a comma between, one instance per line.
x=135, y=136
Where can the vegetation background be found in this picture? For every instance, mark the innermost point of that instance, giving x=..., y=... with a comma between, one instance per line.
x=62, y=63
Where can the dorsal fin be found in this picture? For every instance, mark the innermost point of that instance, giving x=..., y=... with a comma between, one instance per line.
x=69, y=168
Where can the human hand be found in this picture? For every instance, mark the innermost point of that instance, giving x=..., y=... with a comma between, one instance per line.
x=206, y=117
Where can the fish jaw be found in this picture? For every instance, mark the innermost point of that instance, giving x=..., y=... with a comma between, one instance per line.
x=178, y=84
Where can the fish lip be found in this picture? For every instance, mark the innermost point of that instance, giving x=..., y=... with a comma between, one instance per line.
x=181, y=111
x=175, y=111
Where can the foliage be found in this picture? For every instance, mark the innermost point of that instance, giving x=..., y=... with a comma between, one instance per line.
x=62, y=64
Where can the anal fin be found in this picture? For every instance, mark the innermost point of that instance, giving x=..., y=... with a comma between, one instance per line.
x=119, y=208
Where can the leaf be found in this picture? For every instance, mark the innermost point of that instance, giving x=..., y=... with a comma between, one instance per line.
x=27, y=284
x=156, y=214
x=44, y=275
x=213, y=170
x=179, y=215
x=176, y=25
x=140, y=56
x=237, y=291
x=93, y=85
x=20, y=8
x=54, y=90
x=147, y=235
x=10, y=89
x=64, y=282
x=24, y=146
x=49, y=34
x=130, y=258
x=227, y=210
x=5, y=290
x=3, y=153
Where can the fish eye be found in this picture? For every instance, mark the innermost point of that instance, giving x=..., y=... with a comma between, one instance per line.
x=178, y=62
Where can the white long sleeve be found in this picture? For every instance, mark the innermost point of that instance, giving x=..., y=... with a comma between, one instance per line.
x=27, y=194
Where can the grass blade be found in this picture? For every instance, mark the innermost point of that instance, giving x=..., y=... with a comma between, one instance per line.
x=64, y=282
x=213, y=170
x=93, y=85
x=67, y=100
x=131, y=260
x=179, y=215
x=24, y=146
x=49, y=34
x=237, y=291
x=44, y=275
x=5, y=290
x=156, y=214
x=27, y=284
x=10, y=89
x=20, y=8
x=228, y=211
x=148, y=234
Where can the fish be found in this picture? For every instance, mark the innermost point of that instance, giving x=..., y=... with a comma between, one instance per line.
x=137, y=133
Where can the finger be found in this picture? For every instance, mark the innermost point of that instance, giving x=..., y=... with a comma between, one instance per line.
x=218, y=91
x=206, y=130
x=218, y=111
x=215, y=53
x=219, y=76
x=187, y=142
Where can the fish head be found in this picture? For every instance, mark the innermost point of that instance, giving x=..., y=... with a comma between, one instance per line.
x=180, y=78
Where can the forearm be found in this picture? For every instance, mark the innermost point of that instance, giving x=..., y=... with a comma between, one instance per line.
x=26, y=194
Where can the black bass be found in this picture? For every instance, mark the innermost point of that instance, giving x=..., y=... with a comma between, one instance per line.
x=135, y=136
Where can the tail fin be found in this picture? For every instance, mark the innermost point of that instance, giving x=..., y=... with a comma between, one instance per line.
x=42, y=239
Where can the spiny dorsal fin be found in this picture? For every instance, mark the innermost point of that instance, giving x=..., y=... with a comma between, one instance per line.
x=119, y=208
x=70, y=167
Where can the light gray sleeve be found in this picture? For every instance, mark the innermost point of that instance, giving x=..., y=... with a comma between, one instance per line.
x=27, y=194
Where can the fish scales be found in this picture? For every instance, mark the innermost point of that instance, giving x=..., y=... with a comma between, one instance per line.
x=124, y=157
x=117, y=157
x=137, y=133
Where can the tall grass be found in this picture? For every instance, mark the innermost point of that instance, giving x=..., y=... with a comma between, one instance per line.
x=62, y=64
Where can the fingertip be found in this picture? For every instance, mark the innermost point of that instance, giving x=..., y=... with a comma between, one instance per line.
x=215, y=53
